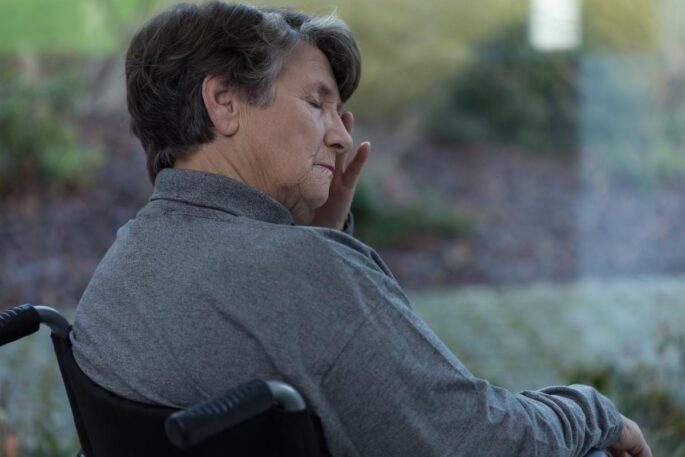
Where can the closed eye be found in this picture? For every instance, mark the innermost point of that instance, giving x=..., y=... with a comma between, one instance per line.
x=316, y=104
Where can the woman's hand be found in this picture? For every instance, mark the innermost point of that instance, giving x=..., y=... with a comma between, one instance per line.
x=334, y=212
x=630, y=442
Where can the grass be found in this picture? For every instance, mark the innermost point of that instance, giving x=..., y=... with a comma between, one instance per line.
x=622, y=336
x=35, y=420
x=547, y=329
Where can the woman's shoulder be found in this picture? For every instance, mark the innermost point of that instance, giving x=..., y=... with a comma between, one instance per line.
x=330, y=249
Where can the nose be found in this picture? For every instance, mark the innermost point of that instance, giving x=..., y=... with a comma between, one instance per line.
x=336, y=136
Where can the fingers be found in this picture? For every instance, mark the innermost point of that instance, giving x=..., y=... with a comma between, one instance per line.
x=348, y=121
x=339, y=166
x=631, y=441
x=638, y=445
x=354, y=168
x=645, y=452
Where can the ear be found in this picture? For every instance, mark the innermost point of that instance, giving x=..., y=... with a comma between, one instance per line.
x=221, y=104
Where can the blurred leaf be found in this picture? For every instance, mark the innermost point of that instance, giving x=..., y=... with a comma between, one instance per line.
x=385, y=224
x=38, y=144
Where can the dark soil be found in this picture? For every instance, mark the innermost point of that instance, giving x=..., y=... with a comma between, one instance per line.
x=534, y=219
x=539, y=218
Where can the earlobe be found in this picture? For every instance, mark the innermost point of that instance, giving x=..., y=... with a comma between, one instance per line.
x=231, y=120
x=220, y=101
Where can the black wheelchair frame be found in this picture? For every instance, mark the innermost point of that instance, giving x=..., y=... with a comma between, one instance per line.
x=258, y=418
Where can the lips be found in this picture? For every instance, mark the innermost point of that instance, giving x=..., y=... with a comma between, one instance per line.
x=329, y=167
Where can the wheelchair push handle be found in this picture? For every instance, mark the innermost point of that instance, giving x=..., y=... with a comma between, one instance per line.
x=193, y=425
x=18, y=322
x=23, y=320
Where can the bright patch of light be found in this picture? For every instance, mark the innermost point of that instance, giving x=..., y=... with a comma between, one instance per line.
x=555, y=25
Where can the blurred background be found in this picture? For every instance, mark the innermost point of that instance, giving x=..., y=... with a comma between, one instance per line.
x=526, y=186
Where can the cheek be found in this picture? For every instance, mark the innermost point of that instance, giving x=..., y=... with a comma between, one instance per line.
x=295, y=142
x=307, y=142
x=309, y=129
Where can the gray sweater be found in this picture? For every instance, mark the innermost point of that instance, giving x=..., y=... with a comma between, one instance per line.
x=212, y=285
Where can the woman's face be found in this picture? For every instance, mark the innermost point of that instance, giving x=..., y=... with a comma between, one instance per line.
x=294, y=141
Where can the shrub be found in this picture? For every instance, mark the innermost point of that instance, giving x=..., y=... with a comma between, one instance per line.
x=631, y=124
x=511, y=93
x=385, y=224
x=649, y=394
x=38, y=143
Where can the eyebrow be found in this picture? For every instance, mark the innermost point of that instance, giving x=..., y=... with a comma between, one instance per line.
x=325, y=91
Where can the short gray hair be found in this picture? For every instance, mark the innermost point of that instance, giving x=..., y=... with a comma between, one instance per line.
x=170, y=56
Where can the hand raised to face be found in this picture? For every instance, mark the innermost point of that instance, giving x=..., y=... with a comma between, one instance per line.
x=334, y=212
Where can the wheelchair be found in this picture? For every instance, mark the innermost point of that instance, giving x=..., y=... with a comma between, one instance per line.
x=257, y=418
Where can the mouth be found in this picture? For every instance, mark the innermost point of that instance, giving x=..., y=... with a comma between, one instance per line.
x=328, y=167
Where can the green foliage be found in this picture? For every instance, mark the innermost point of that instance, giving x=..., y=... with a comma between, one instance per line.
x=649, y=394
x=512, y=93
x=38, y=144
x=385, y=224
x=625, y=107
x=409, y=48
x=70, y=26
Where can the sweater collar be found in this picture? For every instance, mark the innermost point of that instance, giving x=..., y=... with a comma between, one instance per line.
x=218, y=192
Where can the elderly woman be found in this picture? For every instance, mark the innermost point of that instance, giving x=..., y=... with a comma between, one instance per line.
x=242, y=265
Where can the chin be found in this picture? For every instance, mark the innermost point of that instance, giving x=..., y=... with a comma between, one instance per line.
x=319, y=201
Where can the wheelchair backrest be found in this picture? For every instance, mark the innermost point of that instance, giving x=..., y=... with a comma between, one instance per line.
x=111, y=426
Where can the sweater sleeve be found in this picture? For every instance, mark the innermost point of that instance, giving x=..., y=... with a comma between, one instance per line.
x=400, y=391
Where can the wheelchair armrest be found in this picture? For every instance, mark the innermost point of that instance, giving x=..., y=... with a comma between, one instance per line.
x=193, y=425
